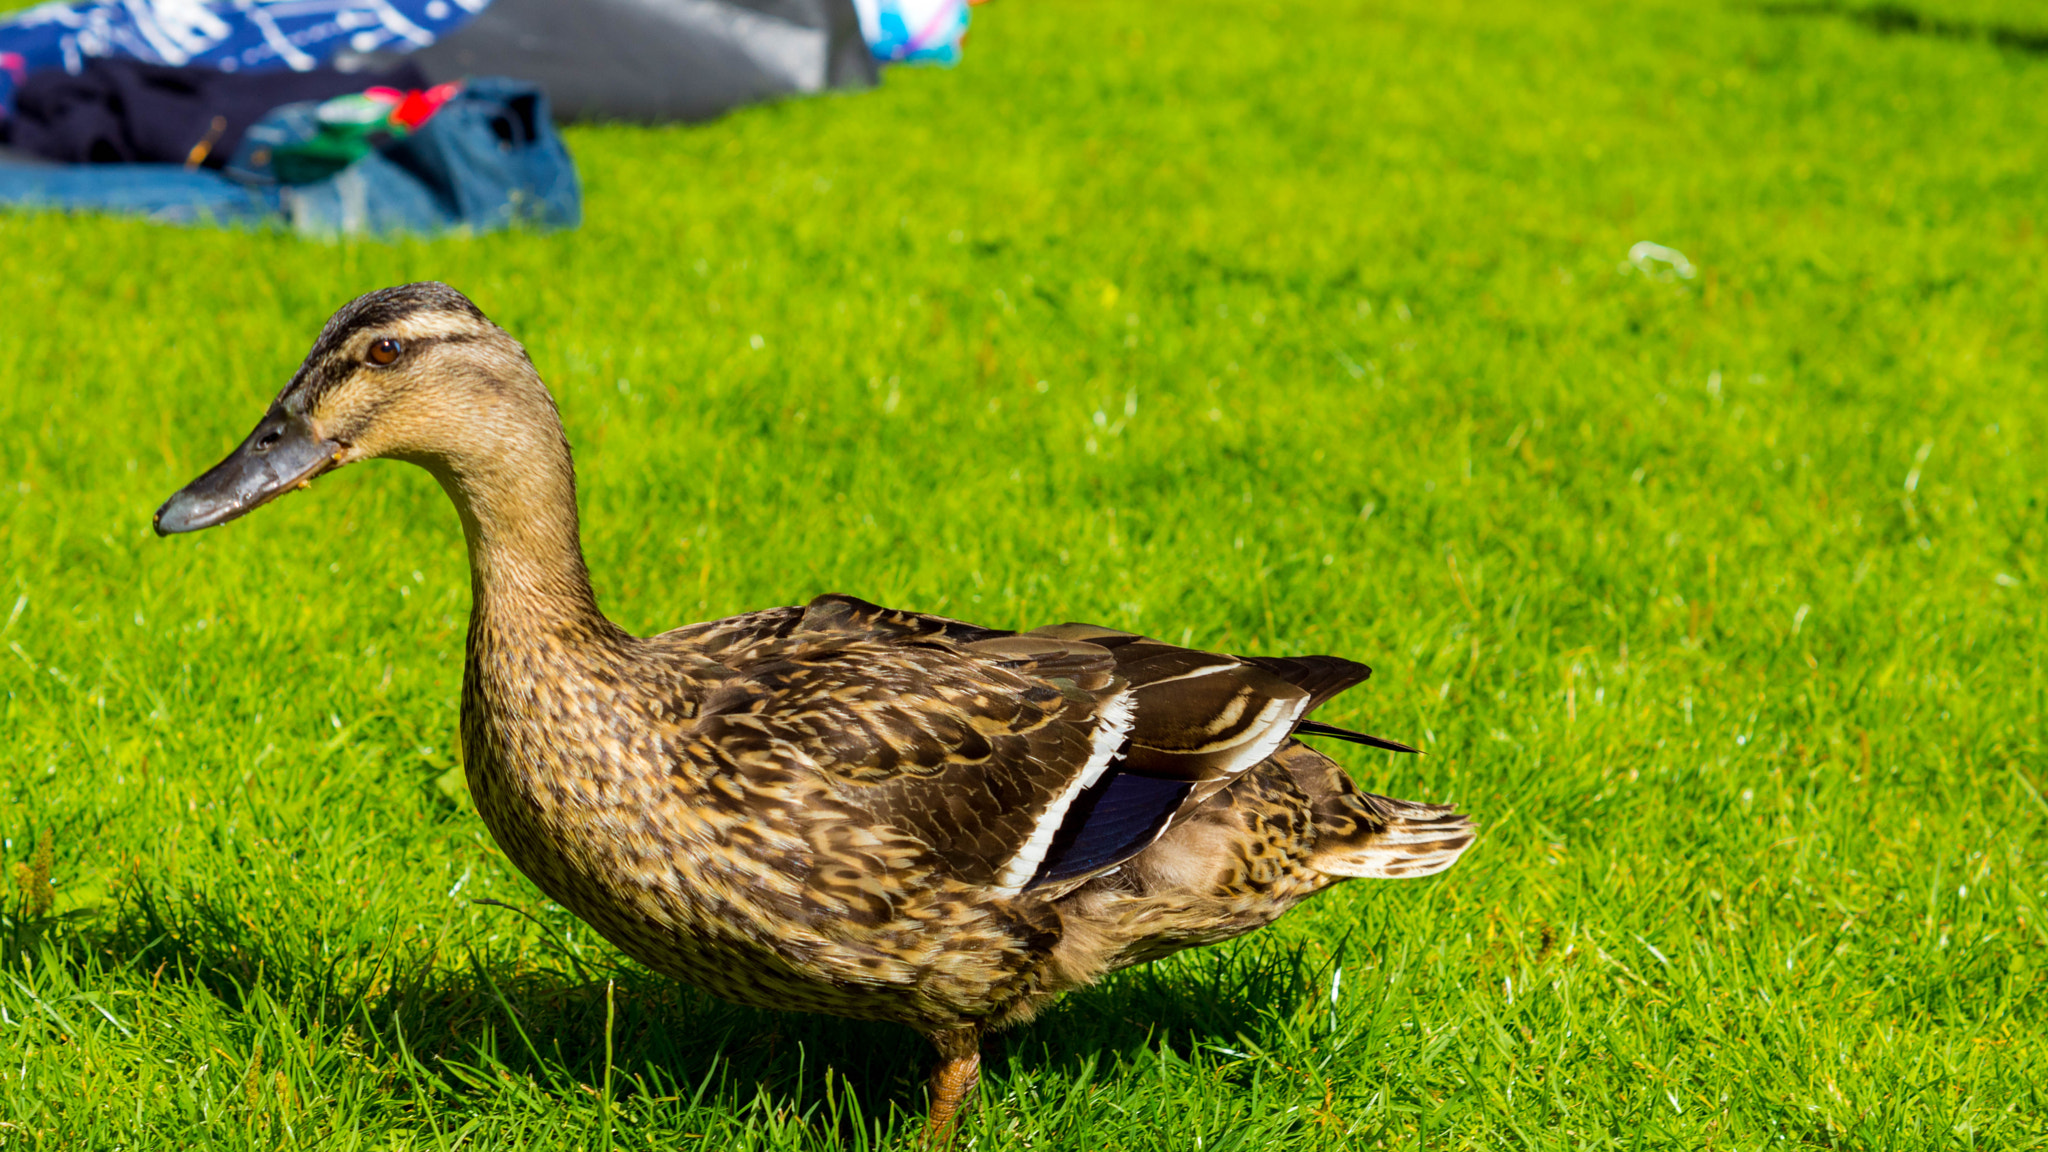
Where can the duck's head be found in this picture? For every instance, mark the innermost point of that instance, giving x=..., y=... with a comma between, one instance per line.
x=414, y=373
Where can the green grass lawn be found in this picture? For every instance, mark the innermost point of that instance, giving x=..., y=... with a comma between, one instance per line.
x=1277, y=328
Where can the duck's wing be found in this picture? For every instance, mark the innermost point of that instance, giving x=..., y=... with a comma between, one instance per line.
x=731, y=638
x=1201, y=721
x=1206, y=717
x=1320, y=676
x=972, y=741
x=1024, y=760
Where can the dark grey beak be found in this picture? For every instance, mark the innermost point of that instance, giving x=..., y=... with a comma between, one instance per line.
x=281, y=454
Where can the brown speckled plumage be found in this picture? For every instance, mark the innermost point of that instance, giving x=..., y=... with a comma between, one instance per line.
x=837, y=807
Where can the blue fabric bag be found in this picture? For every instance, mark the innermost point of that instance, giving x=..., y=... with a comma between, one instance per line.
x=489, y=159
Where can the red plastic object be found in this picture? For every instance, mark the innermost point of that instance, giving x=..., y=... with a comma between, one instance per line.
x=417, y=106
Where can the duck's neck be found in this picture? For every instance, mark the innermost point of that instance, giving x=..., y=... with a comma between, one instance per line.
x=518, y=509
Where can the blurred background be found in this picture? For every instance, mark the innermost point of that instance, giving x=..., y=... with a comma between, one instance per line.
x=1650, y=392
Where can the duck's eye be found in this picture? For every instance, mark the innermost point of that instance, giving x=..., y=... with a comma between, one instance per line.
x=385, y=352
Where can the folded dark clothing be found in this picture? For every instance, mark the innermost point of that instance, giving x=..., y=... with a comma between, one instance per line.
x=125, y=111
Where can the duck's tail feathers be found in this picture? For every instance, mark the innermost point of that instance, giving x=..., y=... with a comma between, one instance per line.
x=1318, y=728
x=1411, y=840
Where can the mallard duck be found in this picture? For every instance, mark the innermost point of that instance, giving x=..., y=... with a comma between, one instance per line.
x=836, y=807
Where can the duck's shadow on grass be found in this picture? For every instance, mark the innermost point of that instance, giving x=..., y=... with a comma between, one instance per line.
x=457, y=1021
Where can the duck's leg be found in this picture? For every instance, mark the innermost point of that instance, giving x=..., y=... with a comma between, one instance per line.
x=954, y=1079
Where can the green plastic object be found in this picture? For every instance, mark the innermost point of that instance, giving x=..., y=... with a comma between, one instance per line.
x=350, y=128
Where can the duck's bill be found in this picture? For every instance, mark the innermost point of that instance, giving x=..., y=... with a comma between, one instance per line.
x=281, y=454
